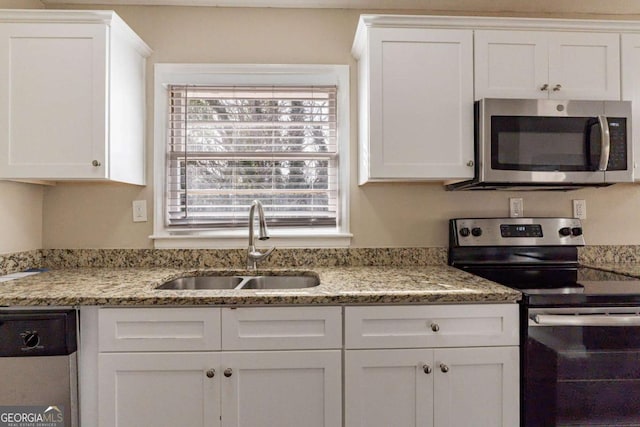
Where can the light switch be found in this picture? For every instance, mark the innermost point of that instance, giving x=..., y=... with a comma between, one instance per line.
x=139, y=211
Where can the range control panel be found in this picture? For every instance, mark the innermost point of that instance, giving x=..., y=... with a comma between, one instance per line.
x=515, y=232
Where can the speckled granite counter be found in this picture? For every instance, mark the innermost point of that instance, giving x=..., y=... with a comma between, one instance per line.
x=629, y=269
x=338, y=285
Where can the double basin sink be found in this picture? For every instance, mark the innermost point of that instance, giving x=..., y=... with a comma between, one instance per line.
x=242, y=282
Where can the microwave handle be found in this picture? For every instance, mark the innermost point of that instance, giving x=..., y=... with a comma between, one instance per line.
x=605, y=143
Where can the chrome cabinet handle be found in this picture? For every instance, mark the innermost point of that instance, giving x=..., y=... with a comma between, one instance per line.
x=96, y=163
x=544, y=87
x=556, y=88
x=605, y=143
x=435, y=327
x=444, y=368
x=426, y=369
x=211, y=373
x=470, y=163
x=228, y=372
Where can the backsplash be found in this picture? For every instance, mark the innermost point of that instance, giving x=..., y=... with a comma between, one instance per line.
x=235, y=258
x=20, y=261
x=609, y=254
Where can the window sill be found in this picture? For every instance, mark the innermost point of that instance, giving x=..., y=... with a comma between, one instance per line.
x=239, y=239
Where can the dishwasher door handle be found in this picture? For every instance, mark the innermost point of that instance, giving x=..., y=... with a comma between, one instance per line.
x=585, y=320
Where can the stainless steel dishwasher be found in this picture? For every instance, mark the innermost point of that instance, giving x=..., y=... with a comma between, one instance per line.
x=38, y=368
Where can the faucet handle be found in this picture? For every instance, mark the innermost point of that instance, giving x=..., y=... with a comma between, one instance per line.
x=257, y=255
x=254, y=255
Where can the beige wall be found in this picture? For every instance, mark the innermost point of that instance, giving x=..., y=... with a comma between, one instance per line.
x=99, y=216
x=20, y=204
x=20, y=217
x=21, y=4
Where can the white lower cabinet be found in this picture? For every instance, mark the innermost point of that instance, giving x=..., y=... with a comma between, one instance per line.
x=476, y=387
x=248, y=389
x=281, y=388
x=388, y=387
x=158, y=389
x=441, y=382
x=442, y=366
x=145, y=380
x=422, y=387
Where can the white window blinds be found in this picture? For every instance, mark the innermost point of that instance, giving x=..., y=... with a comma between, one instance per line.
x=230, y=145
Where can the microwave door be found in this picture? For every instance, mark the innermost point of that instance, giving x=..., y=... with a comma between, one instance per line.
x=541, y=149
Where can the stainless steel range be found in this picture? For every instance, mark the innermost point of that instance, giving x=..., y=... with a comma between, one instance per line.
x=580, y=327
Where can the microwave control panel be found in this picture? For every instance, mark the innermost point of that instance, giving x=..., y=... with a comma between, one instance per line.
x=618, y=150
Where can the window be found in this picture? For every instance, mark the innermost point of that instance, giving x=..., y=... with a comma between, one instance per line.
x=230, y=145
x=226, y=135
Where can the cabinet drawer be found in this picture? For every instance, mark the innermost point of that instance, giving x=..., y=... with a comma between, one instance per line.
x=431, y=326
x=159, y=329
x=273, y=328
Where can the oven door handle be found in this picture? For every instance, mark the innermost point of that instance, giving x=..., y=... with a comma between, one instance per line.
x=585, y=320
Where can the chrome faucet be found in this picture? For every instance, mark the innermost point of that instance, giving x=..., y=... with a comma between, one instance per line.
x=254, y=256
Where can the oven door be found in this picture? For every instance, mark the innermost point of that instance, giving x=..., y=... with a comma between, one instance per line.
x=581, y=367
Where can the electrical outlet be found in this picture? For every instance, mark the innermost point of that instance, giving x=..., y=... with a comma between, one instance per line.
x=139, y=211
x=580, y=209
x=516, y=207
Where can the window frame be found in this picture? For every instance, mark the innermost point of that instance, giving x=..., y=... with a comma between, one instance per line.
x=249, y=74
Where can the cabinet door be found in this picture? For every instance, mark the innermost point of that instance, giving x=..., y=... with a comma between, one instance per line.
x=511, y=64
x=158, y=389
x=476, y=387
x=585, y=65
x=631, y=89
x=53, y=100
x=282, y=388
x=420, y=104
x=389, y=388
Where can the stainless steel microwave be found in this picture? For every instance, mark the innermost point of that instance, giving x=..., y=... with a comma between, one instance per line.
x=557, y=145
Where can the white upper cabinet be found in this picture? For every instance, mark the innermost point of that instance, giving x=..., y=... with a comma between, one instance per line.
x=547, y=64
x=415, y=103
x=71, y=97
x=419, y=75
x=631, y=88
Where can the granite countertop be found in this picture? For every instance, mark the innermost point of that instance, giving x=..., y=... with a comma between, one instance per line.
x=338, y=285
x=629, y=269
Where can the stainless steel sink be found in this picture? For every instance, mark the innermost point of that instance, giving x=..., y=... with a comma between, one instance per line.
x=281, y=282
x=241, y=282
x=203, y=282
